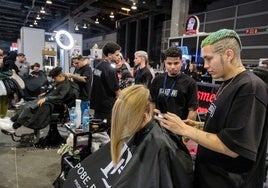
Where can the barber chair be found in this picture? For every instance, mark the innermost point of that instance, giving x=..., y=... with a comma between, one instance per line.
x=53, y=137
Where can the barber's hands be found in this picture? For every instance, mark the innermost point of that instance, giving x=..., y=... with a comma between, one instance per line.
x=41, y=101
x=191, y=122
x=42, y=94
x=171, y=122
x=175, y=124
x=69, y=75
x=196, y=124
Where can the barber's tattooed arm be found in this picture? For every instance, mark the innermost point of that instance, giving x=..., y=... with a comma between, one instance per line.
x=207, y=135
x=208, y=140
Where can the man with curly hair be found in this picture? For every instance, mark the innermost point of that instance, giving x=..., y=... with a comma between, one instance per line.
x=105, y=87
x=179, y=89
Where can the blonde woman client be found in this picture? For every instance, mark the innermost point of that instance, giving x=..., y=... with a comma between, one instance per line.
x=141, y=153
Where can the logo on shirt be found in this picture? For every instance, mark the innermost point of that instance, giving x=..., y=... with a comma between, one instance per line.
x=212, y=109
x=97, y=72
x=173, y=93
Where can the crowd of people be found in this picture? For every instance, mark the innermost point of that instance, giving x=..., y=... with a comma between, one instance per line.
x=148, y=114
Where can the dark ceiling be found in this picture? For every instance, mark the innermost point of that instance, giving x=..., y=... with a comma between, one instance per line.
x=66, y=14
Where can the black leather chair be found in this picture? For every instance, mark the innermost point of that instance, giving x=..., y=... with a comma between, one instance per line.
x=53, y=137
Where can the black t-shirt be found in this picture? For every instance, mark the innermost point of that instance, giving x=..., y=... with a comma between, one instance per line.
x=85, y=88
x=143, y=76
x=237, y=116
x=105, y=84
x=181, y=93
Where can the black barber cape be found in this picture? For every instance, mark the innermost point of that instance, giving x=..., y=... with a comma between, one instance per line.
x=151, y=158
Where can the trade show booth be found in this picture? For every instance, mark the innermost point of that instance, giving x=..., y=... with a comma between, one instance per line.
x=42, y=47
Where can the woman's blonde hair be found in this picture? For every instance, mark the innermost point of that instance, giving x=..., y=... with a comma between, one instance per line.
x=128, y=116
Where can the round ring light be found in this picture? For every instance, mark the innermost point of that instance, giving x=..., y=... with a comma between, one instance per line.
x=68, y=35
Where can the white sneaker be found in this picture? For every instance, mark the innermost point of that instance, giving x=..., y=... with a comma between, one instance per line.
x=20, y=103
x=5, y=119
x=6, y=125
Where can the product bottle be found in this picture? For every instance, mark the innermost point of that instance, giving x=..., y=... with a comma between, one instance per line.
x=86, y=120
x=76, y=157
x=78, y=113
x=72, y=118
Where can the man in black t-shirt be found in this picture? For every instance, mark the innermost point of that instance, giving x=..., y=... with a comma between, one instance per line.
x=179, y=89
x=232, y=145
x=105, y=86
x=83, y=77
x=142, y=73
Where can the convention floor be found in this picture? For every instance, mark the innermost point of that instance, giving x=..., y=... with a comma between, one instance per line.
x=27, y=167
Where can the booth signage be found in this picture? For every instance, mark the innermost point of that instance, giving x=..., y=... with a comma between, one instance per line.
x=206, y=94
x=192, y=25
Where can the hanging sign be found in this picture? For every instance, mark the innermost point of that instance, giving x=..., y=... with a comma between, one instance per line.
x=192, y=25
x=252, y=31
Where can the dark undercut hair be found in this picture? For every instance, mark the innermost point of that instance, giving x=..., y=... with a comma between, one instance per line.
x=173, y=52
x=110, y=47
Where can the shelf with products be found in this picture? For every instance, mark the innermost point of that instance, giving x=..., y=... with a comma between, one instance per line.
x=49, y=53
x=49, y=59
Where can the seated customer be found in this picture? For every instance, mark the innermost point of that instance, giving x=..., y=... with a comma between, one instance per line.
x=34, y=83
x=36, y=114
x=141, y=153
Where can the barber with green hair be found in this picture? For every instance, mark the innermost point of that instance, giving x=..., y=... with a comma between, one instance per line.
x=232, y=145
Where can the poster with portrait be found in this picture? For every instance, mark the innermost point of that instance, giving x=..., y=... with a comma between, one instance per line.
x=192, y=25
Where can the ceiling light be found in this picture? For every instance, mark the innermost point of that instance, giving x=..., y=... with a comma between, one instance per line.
x=112, y=15
x=48, y=2
x=85, y=26
x=125, y=9
x=35, y=22
x=42, y=10
x=76, y=28
x=38, y=17
x=97, y=21
x=134, y=7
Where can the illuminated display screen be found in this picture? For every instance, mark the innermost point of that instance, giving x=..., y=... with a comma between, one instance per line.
x=175, y=42
x=190, y=42
x=184, y=50
x=206, y=94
